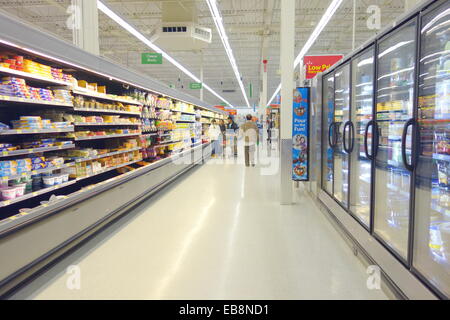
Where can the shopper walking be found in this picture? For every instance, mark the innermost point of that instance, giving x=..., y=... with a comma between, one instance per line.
x=249, y=130
x=232, y=129
x=215, y=135
x=223, y=130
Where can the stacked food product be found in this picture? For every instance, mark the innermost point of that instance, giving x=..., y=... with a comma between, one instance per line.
x=187, y=117
x=91, y=103
x=164, y=103
x=165, y=125
x=36, y=123
x=14, y=87
x=107, y=119
x=88, y=133
x=63, y=95
x=18, y=88
x=184, y=107
x=88, y=168
x=10, y=61
x=46, y=71
x=27, y=184
x=113, y=146
x=101, y=90
x=27, y=165
x=40, y=143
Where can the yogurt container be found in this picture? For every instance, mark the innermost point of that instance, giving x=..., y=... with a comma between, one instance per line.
x=8, y=194
x=58, y=180
x=65, y=177
x=20, y=190
x=48, y=181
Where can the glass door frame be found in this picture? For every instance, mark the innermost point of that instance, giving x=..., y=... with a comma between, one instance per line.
x=416, y=143
x=326, y=132
x=372, y=47
x=341, y=66
x=410, y=242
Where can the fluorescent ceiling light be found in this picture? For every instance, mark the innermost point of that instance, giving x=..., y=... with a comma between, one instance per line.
x=103, y=8
x=218, y=21
x=313, y=37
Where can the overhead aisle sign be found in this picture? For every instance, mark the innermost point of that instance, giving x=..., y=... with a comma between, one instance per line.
x=300, y=135
x=152, y=58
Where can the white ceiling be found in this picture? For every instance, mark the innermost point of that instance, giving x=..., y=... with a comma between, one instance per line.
x=248, y=23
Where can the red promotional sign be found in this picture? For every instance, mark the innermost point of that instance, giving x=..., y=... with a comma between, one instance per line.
x=317, y=64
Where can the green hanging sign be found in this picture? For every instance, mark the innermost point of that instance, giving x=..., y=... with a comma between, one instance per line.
x=152, y=58
x=195, y=85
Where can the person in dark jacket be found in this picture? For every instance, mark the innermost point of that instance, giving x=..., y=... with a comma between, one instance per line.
x=232, y=128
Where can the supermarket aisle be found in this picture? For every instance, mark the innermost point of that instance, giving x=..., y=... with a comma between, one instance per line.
x=217, y=233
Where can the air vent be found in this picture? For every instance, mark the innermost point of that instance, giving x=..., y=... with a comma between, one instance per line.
x=182, y=36
x=204, y=34
x=174, y=29
x=229, y=91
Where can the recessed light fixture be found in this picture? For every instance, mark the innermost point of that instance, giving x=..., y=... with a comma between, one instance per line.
x=218, y=21
x=312, y=38
x=116, y=18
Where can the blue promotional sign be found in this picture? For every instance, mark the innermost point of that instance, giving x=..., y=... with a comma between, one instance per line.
x=300, y=135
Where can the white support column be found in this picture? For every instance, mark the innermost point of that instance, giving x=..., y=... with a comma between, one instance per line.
x=85, y=28
x=287, y=86
x=264, y=89
x=201, y=74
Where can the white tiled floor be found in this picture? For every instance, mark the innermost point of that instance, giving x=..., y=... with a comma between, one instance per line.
x=217, y=233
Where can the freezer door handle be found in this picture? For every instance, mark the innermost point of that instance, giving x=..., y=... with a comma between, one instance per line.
x=410, y=123
x=350, y=125
x=330, y=139
x=371, y=123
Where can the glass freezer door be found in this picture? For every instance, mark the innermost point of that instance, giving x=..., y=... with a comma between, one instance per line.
x=361, y=116
x=327, y=133
x=432, y=209
x=395, y=96
x=341, y=118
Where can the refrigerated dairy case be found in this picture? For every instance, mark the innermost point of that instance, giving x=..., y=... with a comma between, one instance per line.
x=385, y=149
x=82, y=140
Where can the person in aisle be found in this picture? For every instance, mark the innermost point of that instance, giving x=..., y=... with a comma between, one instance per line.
x=215, y=135
x=232, y=129
x=223, y=130
x=197, y=130
x=249, y=130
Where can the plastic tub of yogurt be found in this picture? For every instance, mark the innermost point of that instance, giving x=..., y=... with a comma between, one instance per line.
x=48, y=181
x=9, y=193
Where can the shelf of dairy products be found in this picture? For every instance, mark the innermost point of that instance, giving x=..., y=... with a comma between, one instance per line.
x=55, y=103
x=34, y=77
x=34, y=194
x=108, y=169
x=107, y=111
x=103, y=96
x=6, y=153
x=36, y=172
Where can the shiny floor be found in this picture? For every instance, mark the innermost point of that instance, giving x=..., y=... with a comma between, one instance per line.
x=218, y=232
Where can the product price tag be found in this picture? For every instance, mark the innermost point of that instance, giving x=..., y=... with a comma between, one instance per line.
x=30, y=150
x=45, y=205
x=19, y=131
x=6, y=203
x=5, y=178
x=12, y=218
x=34, y=172
x=5, y=153
x=24, y=174
x=35, y=194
